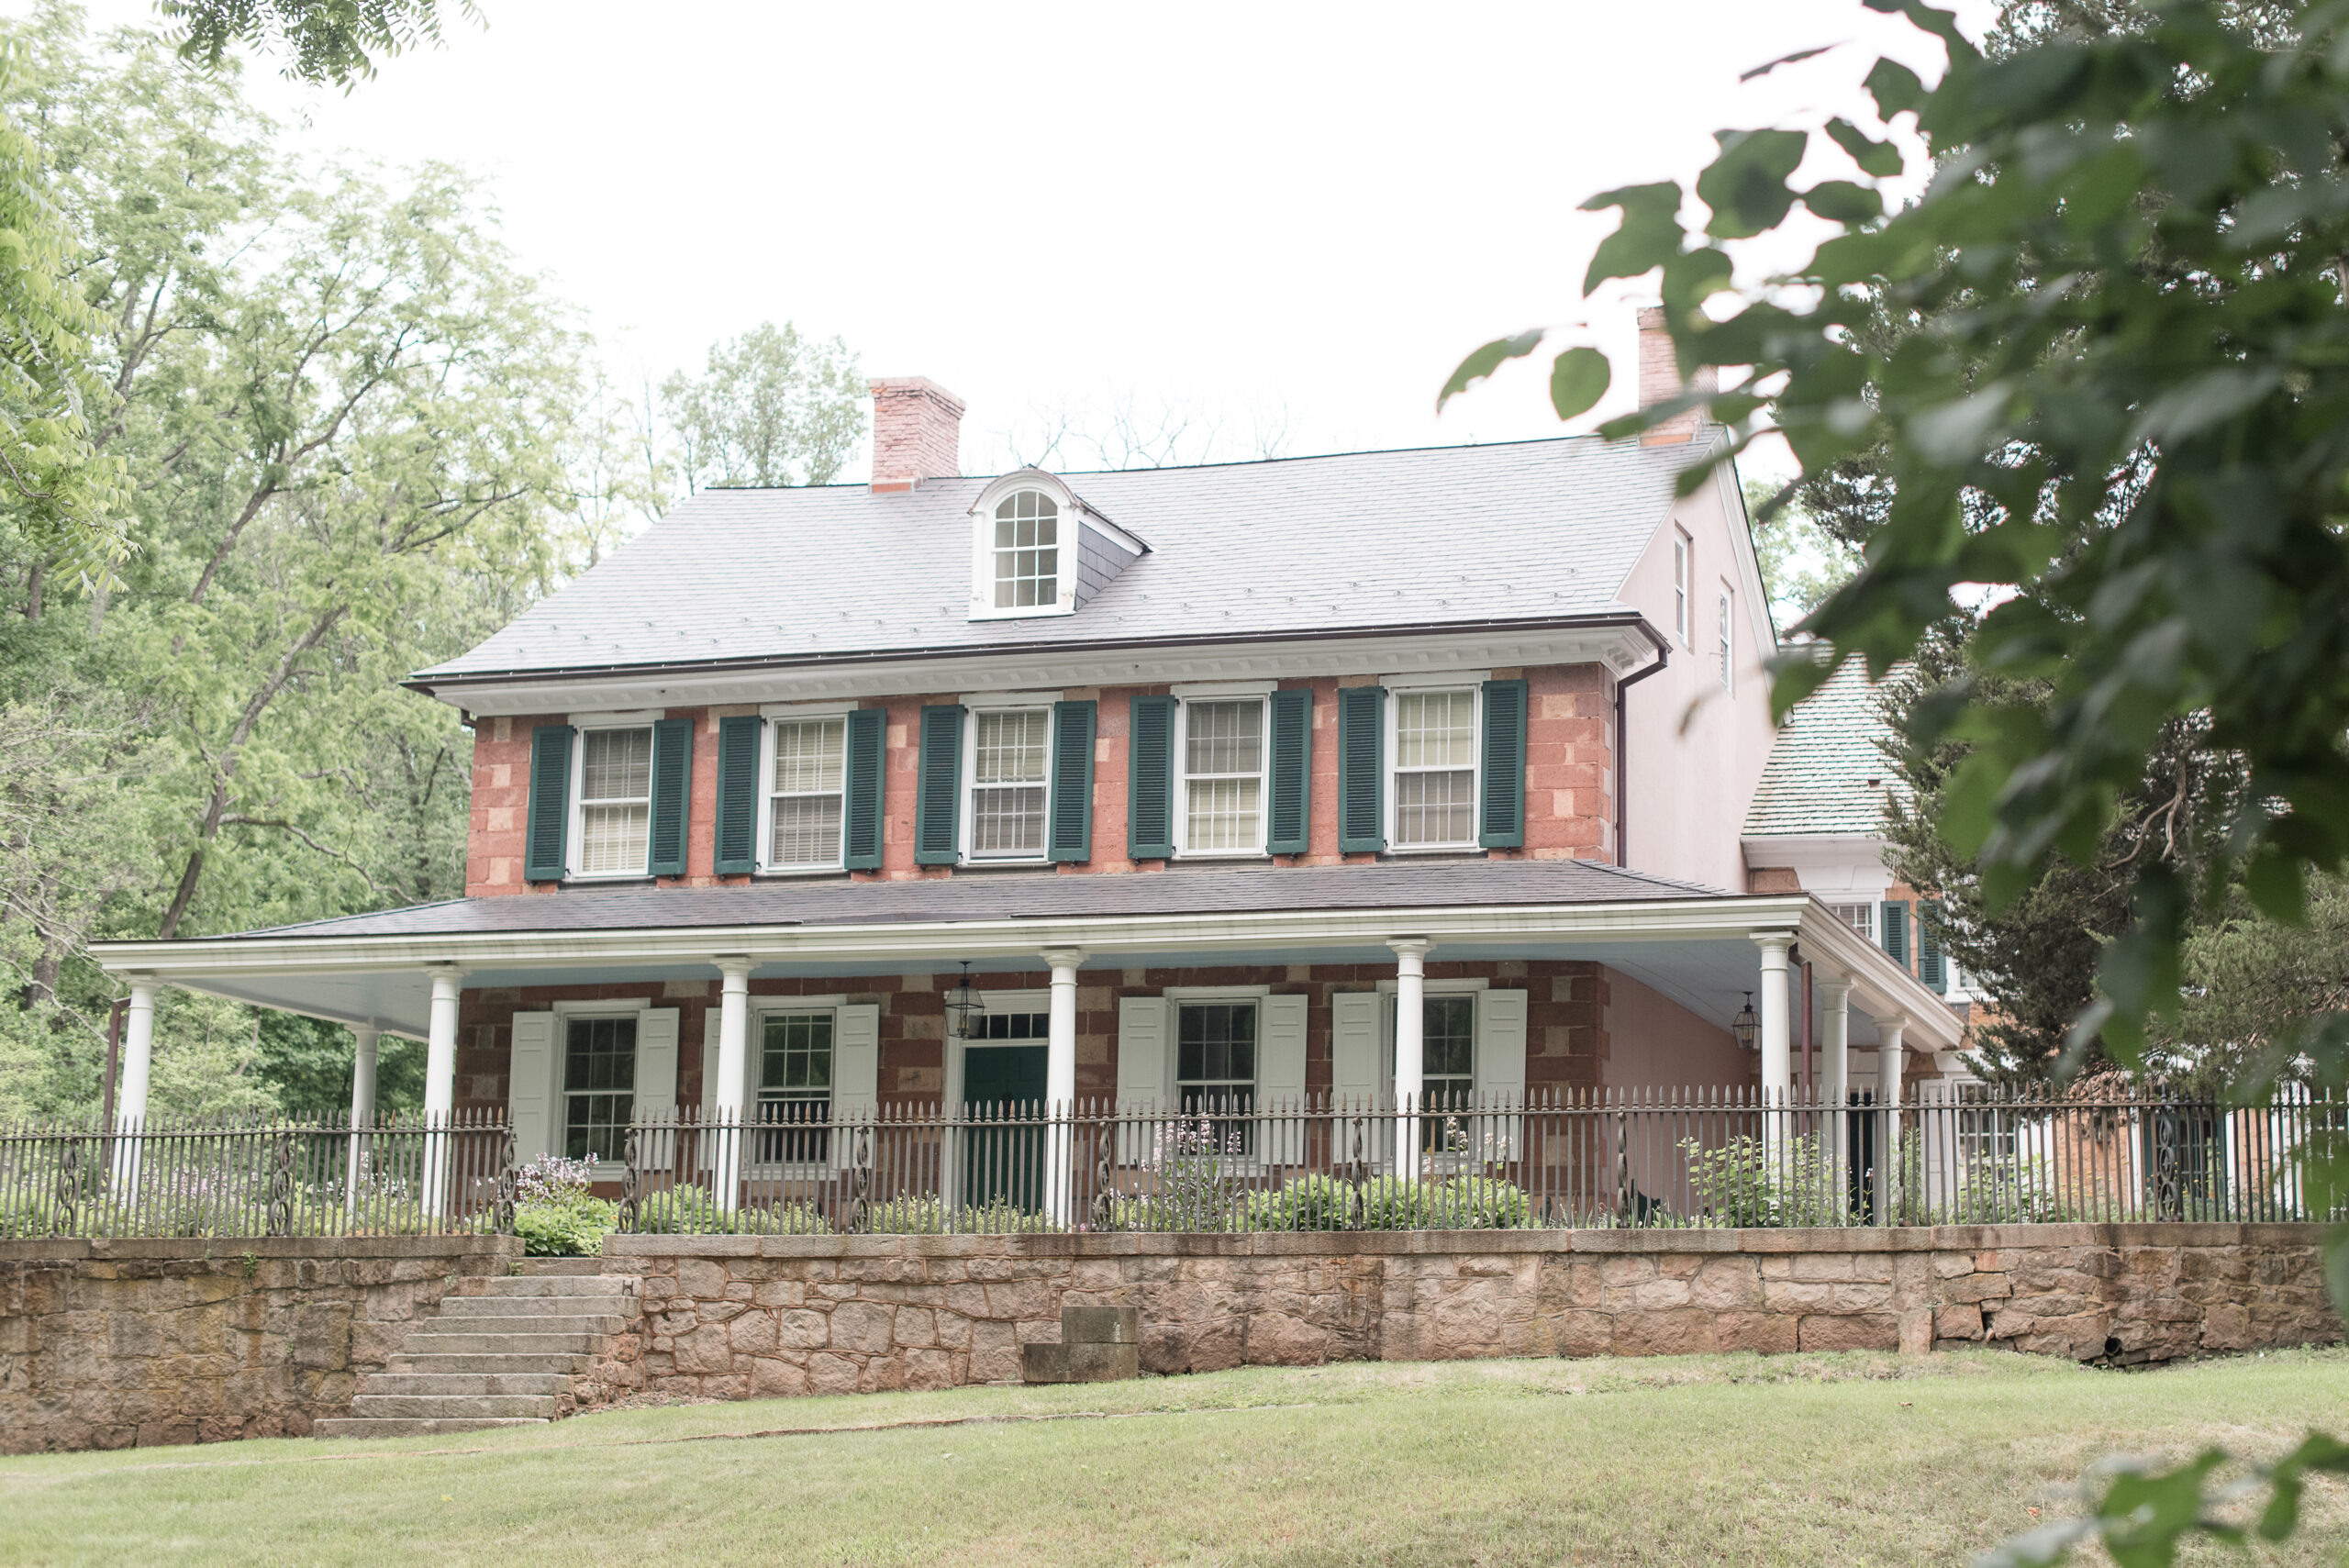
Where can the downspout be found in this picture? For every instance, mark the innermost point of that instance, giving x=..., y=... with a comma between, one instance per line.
x=1623, y=744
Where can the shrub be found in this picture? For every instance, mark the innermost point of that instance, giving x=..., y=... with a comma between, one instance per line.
x=1306, y=1203
x=682, y=1210
x=1747, y=1182
x=574, y=1227
x=909, y=1216
x=776, y=1219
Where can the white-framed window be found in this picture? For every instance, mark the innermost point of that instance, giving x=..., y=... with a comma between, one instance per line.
x=598, y=1086
x=1861, y=917
x=1009, y=784
x=1222, y=748
x=1026, y=551
x=1727, y=683
x=1215, y=1066
x=612, y=791
x=1433, y=797
x=1448, y=1052
x=795, y=1080
x=807, y=786
x=1680, y=584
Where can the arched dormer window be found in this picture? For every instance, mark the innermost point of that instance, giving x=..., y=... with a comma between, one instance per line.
x=1025, y=554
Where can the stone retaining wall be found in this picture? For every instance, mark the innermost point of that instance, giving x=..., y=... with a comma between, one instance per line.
x=108, y=1344
x=736, y=1318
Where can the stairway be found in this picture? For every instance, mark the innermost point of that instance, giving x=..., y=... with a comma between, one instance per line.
x=504, y=1358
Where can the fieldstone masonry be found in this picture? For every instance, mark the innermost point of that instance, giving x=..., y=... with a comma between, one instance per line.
x=112, y=1345
x=746, y=1318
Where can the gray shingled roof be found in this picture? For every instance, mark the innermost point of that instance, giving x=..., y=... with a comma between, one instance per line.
x=1527, y=531
x=1819, y=779
x=1014, y=896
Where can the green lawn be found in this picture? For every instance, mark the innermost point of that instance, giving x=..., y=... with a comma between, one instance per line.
x=1843, y=1459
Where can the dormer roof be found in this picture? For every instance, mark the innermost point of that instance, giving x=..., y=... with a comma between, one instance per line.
x=1527, y=531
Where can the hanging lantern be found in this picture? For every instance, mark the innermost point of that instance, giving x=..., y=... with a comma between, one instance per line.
x=963, y=1008
x=1746, y=1025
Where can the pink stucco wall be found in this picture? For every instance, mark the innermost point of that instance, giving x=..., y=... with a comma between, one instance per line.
x=1655, y=1042
x=1695, y=752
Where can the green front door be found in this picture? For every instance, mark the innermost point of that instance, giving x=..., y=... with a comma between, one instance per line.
x=1003, y=1090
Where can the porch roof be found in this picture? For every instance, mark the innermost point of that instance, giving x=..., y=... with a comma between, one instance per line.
x=1010, y=895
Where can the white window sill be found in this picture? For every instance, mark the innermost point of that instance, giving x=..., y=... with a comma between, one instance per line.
x=608, y=876
x=1259, y=855
x=1434, y=848
x=835, y=869
x=1022, y=612
x=974, y=863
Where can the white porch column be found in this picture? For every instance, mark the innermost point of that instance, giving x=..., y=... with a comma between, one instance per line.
x=1059, y=1084
x=1835, y=1079
x=732, y=1068
x=130, y=1094
x=1889, y=1052
x=1411, y=1045
x=1777, y=1031
x=441, y=1085
x=362, y=1109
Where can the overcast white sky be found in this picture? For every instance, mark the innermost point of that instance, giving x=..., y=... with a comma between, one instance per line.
x=1239, y=208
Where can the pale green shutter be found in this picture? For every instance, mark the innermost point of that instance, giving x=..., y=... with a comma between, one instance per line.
x=938, y=799
x=1292, y=803
x=1504, y=803
x=1361, y=746
x=672, y=782
x=544, y=839
x=738, y=794
x=1071, y=822
x=1150, y=783
x=868, y=757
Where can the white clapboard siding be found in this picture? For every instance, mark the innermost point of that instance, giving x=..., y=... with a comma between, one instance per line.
x=1280, y=1078
x=529, y=1084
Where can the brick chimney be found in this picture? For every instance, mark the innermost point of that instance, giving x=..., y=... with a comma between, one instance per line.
x=917, y=432
x=1660, y=381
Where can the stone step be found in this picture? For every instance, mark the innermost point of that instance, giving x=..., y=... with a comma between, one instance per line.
x=432, y=1406
x=507, y=1286
x=563, y=1306
x=522, y=1323
x=447, y=1383
x=542, y=1268
x=448, y=1363
x=415, y=1427
x=447, y=1342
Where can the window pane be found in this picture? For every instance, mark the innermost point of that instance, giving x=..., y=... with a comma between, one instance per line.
x=1449, y=1042
x=795, y=1053
x=612, y=839
x=1222, y=815
x=1008, y=821
x=1223, y=737
x=599, y=1080
x=1434, y=729
x=1215, y=1066
x=807, y=755
x=1011, y=747
x=1434, y=808
x=806, y=831
x=1027, y=564
x=616, y=765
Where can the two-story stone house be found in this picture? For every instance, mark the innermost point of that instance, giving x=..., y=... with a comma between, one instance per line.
x=1387, y=773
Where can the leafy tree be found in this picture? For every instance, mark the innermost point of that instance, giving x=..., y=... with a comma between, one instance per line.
x=323, y=40
x=770, y=408
x=1803, y=560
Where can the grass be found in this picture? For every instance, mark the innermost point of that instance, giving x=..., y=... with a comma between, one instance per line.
x=1826, y=1459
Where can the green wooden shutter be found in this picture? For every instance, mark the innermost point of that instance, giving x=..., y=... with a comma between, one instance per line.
x=1931, y=967
x=1070, y=830
x=1150, y=780
x=868, y=758
x=1292, y=813
x=738, y=794
x=1896, y=930
x=543, y=839
x=1362, y=781
x=1505, y=706
x=938, y=800
x=673, y=784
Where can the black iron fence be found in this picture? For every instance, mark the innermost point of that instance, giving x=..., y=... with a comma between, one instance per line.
x=1656, y=1158
x=200, y=1177
x=1644, y=1158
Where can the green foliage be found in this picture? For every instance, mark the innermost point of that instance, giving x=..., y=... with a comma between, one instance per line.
x=771, y=408
x=323, y=40
x=572, y=1225
x=2142, y=1516
x=915, y=1216
x=1746, y=1182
